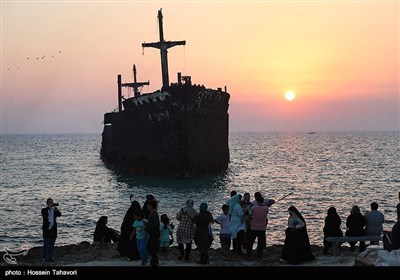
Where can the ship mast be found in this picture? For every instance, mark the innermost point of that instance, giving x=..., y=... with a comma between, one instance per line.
x=163, y=46
x=135, y=85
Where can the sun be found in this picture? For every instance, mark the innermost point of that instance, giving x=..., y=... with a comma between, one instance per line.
x=290, y=95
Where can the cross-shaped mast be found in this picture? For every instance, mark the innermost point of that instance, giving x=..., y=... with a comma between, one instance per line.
x=163, y=46
x=135, y=85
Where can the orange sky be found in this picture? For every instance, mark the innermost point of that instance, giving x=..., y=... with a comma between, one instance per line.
x=340, y=58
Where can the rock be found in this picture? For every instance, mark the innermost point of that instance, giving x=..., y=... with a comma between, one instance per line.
x=366, y=258
x=84, y=244
x=99, y=254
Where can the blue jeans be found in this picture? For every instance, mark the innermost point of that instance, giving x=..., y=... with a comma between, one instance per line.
x=225, y=239
x=48, y=248
x=141, y=245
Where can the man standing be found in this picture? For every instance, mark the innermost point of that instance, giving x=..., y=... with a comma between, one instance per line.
x=49, y=214
x=259, y=215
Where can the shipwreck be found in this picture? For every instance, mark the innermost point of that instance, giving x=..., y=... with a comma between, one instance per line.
x=180, y=130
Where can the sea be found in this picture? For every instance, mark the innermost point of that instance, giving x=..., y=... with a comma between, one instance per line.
x=317, y=169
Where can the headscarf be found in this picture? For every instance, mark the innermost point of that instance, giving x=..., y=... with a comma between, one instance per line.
x=232, y=203
x=188, y=209
x=332, y=212
x=101, y=223
x=135, y=205
x=203, y=207
x=355, y=210
x=100, y=229
x=295, y=211
x=150, y=197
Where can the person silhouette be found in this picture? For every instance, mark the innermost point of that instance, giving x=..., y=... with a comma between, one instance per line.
x=296, y=248
x=49, y=229
x=103, y=233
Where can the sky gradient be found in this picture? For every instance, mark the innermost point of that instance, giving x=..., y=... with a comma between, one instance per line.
x=341, y=59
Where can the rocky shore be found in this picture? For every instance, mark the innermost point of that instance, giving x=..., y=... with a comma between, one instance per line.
x=98, y=254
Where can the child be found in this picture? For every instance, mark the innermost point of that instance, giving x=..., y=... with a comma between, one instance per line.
x=139, y=230
x=165, y=233
x=225, y=233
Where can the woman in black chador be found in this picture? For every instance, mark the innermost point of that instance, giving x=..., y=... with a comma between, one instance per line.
x=153, y=229
x=202, y=221
x=331, y=227
x=103, y=233
x=127, y=247
x=296, y=248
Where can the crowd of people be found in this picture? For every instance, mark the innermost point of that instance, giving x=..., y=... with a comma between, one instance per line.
x=144, y=234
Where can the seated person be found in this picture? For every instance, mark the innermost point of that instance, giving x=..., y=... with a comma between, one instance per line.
x=395, y=238
x=355, y=224
x=103, y=233
x=391, y=241
x=331, y=227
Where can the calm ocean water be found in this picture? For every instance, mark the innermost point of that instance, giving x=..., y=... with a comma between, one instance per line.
x=322, y=170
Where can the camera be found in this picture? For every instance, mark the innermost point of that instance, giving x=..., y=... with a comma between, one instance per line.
x=56, y=204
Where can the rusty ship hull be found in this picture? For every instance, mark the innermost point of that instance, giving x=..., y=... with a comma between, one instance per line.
x=180, y=131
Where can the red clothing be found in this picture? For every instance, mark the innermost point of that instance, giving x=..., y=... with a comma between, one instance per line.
x=259, y=217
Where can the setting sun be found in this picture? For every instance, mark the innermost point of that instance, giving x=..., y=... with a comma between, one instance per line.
x=290, y=95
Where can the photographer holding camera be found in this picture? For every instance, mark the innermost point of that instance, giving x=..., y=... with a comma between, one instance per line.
x=49, y=214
